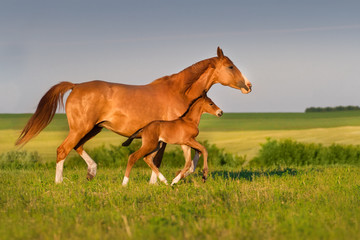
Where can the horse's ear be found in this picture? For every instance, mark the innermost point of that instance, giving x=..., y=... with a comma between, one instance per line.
x=220, y=53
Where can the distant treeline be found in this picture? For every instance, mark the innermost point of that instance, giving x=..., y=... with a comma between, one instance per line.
x=332, y=109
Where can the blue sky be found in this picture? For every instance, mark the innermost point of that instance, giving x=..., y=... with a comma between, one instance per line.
x=297, y=54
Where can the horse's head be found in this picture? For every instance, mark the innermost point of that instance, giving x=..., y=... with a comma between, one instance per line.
x=209, y=106
x=228, y=74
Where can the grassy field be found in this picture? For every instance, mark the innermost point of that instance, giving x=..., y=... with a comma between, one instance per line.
x=290, y=203
x=312, y=202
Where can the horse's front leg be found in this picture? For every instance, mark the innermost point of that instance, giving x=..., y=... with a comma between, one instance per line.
x=198, y=147
x=188, y=164
x=157, y=162
x=194, y=163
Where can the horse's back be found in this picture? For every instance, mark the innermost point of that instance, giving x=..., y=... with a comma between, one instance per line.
x=119, y=107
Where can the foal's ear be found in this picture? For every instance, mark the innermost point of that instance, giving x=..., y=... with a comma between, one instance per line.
x=220, y=53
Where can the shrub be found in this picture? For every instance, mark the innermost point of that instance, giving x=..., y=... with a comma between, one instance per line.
x=288, y=152
x=117, y=156
x=20, y=160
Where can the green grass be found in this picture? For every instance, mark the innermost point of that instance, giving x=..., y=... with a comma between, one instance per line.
x=312, y=202
x=290, y=203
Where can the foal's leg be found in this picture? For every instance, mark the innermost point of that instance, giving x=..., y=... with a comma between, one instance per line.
x=145, y=148
x=149, y=160
x=131, y=161
x=187, y=154
x=157, y=161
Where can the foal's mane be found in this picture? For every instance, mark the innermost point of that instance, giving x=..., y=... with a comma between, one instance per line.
x=192, y=103
x=190, y=74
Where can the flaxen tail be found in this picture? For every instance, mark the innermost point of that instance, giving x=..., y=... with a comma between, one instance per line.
x=45, y=111
x=131, y=138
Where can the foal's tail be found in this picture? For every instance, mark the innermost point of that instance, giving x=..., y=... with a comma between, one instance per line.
x=131, y=138
x=45, y=111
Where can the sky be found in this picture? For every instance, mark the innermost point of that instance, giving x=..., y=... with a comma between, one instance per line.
x=297, y=54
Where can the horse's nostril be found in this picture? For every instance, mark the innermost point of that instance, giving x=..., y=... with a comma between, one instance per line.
x=220, y=113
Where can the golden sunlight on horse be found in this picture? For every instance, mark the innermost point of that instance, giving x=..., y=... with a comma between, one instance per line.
x=123, y=108
x=181, y=131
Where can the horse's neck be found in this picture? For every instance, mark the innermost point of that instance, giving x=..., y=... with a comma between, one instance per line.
x=192, y=81
x=204, y=83
x=194, y=114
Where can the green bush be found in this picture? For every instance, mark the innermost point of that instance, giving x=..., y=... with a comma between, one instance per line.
x=21, y=160
x=116, y=157
x=288, y=153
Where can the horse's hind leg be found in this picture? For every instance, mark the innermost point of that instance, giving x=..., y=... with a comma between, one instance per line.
x=63, y=150
x=92, y=166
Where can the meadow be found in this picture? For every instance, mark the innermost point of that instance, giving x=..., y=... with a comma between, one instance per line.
x=289, y=203
x=240, y=200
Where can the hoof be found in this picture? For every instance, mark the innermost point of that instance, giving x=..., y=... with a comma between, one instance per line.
x=91, y=173
x=90, y=177
x=153, y=179
x=204, y=179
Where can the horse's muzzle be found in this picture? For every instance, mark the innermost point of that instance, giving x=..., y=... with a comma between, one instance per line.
x=219, y=113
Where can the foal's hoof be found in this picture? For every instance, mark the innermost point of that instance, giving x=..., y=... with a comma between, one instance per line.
x=204, y=179
x=90, y=176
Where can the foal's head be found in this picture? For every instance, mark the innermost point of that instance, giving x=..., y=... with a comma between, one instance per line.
x=200, y=105
x=209, y=106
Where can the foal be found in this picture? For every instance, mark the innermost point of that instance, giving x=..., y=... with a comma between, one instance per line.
x=181, y=131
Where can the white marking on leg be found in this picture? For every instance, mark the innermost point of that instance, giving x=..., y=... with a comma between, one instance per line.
x=59, y=171
x=163, y=179
x=191, y=170
x=177, y=179
x=125, y=181
x=92, y=166
x=153, y=178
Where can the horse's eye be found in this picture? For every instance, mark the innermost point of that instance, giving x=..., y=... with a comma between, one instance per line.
x=231, y=67
x=211, y=104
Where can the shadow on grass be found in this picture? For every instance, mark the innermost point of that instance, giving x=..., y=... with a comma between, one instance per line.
x=250, y=174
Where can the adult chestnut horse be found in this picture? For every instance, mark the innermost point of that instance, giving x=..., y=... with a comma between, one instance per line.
x=124, y=109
